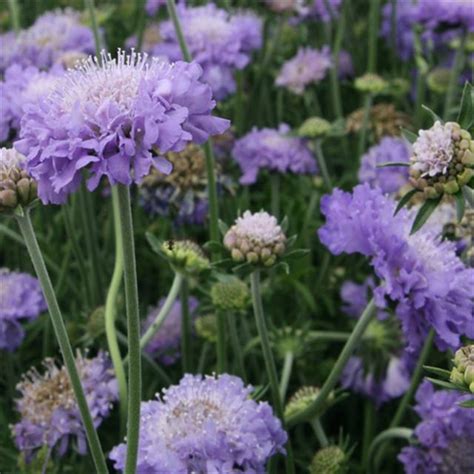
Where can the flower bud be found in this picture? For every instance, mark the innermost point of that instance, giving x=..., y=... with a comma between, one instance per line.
x=289, y=339
x=329, y=460
x=463, y=370
x=438, y=80
x=185, y=256
x=230, y=295
x=371, y=83
x=314, y=127
x=255, y=238
x=206, y=327
x=16, y=185
x=303, y=398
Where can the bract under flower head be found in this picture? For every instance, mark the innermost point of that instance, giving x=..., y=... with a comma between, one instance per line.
x=111, y=117
x=21, y=299
x=205, y=425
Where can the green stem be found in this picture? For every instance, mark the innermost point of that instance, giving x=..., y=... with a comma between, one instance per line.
x=133, y=328
x=221, y=343
x=346, y=353
x=392, y=433
x=185, y=328
x=374, y=19
x=334, y=72
x=319, y=432
x=275, y=194
x=286, y=374
x=95, y=28
x=237, y=347
x=369, y=427
x=268, y=357
x=111, y=313
x=34, y=251
x=164, y=311
x=322, y=164
x=454, y=77
x=15, y=15
x=365, y=124
x=141, y=20
x=328, y=336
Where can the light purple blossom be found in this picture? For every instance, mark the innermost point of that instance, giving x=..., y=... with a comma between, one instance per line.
x=444, y=437
x=152, y=6
x=389, y=179
x=165, y=345
x=21, y=299
x=421, y=274
x=274, y=150
x=205, y=425
x=43, y=43
x=55, y=421
x=442, y=14
x=110, y=119
x=309, y=66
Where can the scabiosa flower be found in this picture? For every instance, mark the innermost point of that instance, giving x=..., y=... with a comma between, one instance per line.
x=420, y=274
x=23, y=86
x=389, y=179
x=309, y=66
x=443, y=14
x=380, y=369
x=47, y=406
x=219, y=42
x=444, y=436
x=205, y=425
x=111, y=119
x=21, y=299
x=255, y=238
x=52, y=34
x=272, y=149
x=165, y=344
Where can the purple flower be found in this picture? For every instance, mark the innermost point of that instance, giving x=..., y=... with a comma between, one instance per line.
x=444, y=437
x=21, y=298
x=380, y=369
x=421, y=274
x=43, y=43
x=307, y=67
x=389, y=179
x=152, y=6
x=205, y=425
x=274, y=150
x=48, y=409
x=219, y=42
x=164, y=346
x=110, y=119
x=443, y=14
x=321, y=10
x=22, y=86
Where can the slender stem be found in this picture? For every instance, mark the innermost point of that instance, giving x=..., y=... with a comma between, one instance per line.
x=203, y=357
x=365, y=124
x=379, y=441
x=331, y=381
x=454, y=77
x=236, y=346
x=322, y=164
x=95, y=28
x=141, y=20
x=170, y=4
x=286, y=374
x=133, y=328
x=319, y=432
x=111, y=313
x=164, y=311
x=422, y=70
x=15, y=15
x=374, y=19
x=29, y=237
x=275, y=194
x=268, y=357
x=185, y=328
x=328, y=336
x=221, y=344
x=369, y=427
x=334, y=72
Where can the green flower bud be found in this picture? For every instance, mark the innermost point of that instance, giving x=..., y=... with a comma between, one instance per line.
x=301, y=400
x=230, y=295
x=314, y=127
x=288, y=339
x=329, y=460
x=206, y=327
x=371, y=83
x=463, y=370
x=438, y=80
x=185, y=256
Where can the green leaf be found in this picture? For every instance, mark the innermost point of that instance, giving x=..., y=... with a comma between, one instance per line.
x=442, y=383
x=223, y=227
x=393, y=163
x=409, y=135
x=424, y=213
x=437, y=371
x=468, y=195
x=433, y=114
x=213, y=246
x=460, y=205
x=404, y=200
x=467, y=403
x=284, y=224
x=154, y=242
x=465, y=117
x=259, y=392
x=297, y=253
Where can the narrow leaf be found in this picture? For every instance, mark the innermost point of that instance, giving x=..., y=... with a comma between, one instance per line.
x=154, y=242
x=437, y=371
x=409, y=136
x=393, y=163
x=465, y=116
x=424, y=213
x=460, y=205
x=298, y=253
x=467, y=403
x=404, y=200
x=442, y=383
x=468, y=195
x=223, y=227
x=433, y=114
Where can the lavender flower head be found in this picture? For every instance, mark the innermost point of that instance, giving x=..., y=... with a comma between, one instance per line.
x=152, y=6
x=309, y=66
x=164, y=346
x=381, y=368
x=444, y=436
x=22, y=86
x=48, y=409
x=389, y=179
x=205, y=425
x=443, y=14
x=421, y=274
x=21, y=299
x=42, y=44
x=219, y=42
x=274, y=150
x=323, y=10
x=112, y=120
